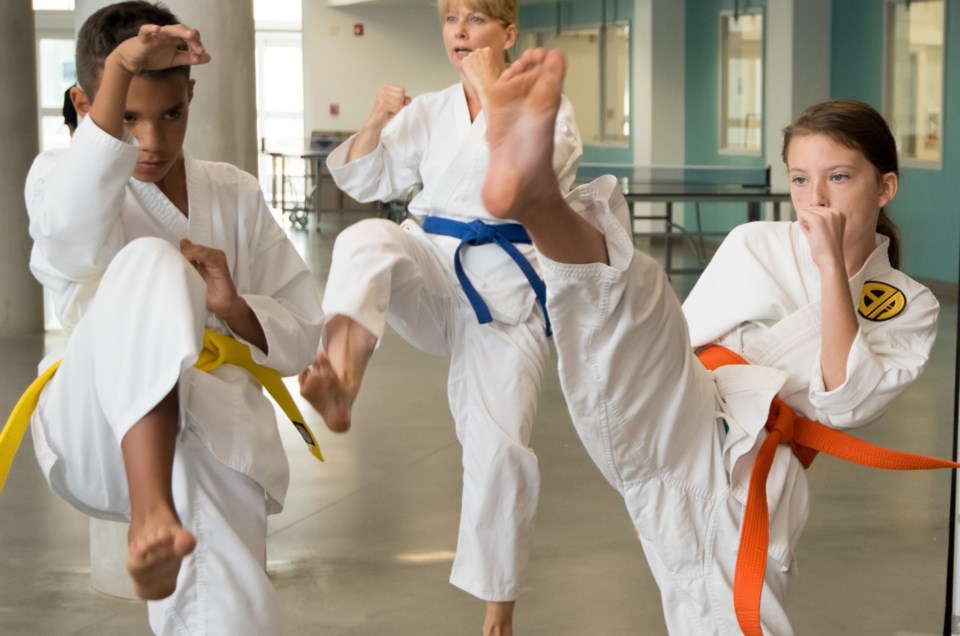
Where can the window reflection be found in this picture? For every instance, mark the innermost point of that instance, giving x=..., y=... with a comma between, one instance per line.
x=915, y=77
x=598, y=78
x=741, y=83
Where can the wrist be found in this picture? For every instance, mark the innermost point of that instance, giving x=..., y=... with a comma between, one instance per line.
x=233, y=310
x=116, y=64
x=376, y=122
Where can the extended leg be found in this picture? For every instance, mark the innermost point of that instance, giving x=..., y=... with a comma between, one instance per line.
x=521, y=109
x=496, y=373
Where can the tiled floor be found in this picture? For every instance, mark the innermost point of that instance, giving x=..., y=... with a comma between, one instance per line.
x=365, y=542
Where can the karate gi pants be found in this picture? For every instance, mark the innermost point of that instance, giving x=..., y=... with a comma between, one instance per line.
x=382, y=272
x=647, y=413
x=142, y=331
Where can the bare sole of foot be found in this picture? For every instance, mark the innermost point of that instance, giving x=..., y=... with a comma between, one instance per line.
x=326, y=392
x=154, y=558
x=521, y=110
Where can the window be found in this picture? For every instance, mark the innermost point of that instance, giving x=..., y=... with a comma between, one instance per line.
x=58, y=72
x=741, y=82
x=598, y=64
x=914, y=79
x=267, y=13
x=279, y=51
x=53, y=5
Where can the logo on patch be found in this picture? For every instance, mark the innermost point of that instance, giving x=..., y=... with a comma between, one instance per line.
x=880, y=301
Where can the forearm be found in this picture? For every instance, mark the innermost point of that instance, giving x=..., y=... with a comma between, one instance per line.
x=244, y=322
x=365, y=142
x=107, y=110
x=839, y=327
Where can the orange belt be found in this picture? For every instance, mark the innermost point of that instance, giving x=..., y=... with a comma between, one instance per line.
x=806, y=438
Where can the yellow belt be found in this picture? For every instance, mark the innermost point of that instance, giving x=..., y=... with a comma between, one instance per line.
x=217, y=349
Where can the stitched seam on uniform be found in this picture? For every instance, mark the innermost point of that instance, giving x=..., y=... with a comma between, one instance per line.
x=199, y=565
x=703, y=568
x=172, y=615
x=669, y=478
x=602, y=312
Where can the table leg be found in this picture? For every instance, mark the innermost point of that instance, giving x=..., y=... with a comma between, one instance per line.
x=668, y=260
x=273, y=181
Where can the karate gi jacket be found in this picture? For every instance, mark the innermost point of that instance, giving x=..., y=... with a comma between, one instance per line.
x=85, y=206
x=432, y=142
x=760, y=296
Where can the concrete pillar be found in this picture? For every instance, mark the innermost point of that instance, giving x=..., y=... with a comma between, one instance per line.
x=223, y=115
x=658, y=82
x=223, y=127
x=797, y=69
x=658, y=124
x=21, y=298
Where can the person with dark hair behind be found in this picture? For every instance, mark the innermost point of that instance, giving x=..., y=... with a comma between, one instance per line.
x=69, y=112
x=155, y=261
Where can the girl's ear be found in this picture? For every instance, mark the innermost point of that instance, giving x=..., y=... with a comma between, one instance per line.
x=511, y=36
x=889, y=183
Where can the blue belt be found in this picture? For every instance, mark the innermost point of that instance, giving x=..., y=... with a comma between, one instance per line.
x=480, y=233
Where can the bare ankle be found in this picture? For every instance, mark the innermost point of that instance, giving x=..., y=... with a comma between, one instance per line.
x=498, y=620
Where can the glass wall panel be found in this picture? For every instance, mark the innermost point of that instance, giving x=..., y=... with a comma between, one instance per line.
x=741, y=83
x=914, y=82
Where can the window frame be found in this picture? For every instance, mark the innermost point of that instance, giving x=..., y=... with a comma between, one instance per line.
x=603, y=33
x=729, y=151
x=887, y=84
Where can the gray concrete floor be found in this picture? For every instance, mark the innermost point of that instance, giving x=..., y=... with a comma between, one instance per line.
x=365, y=543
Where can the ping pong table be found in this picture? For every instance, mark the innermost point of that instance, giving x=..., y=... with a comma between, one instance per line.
x=688, y=184
x=297, y=206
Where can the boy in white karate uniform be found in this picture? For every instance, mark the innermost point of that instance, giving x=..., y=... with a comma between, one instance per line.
x=144, y=249
x=677, y=441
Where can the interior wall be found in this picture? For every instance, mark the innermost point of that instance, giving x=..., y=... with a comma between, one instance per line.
x=702, y=82
x=796, y=58
x=399, y=45
x=569, y=14
x=658, y=78
x=927, y=207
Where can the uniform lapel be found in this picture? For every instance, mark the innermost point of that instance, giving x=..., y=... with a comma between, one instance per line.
x=472, y=137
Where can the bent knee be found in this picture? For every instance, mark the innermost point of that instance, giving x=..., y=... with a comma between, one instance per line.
x=367, y=234
x=149, y=254
x=148, y=269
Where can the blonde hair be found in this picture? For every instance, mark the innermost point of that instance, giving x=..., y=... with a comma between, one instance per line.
x=503, y=11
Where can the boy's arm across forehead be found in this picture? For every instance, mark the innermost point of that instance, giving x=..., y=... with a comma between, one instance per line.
x=154, y=48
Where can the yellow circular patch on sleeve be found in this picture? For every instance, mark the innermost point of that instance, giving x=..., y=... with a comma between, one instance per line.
x=880, y=301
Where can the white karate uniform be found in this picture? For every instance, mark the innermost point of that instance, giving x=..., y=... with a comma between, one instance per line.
x=383, y=272
x=652, y=418
x=107, y=246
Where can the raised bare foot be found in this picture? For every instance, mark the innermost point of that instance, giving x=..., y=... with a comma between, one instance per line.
x=521, y=110
x=156, y=546
x=326, y=392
